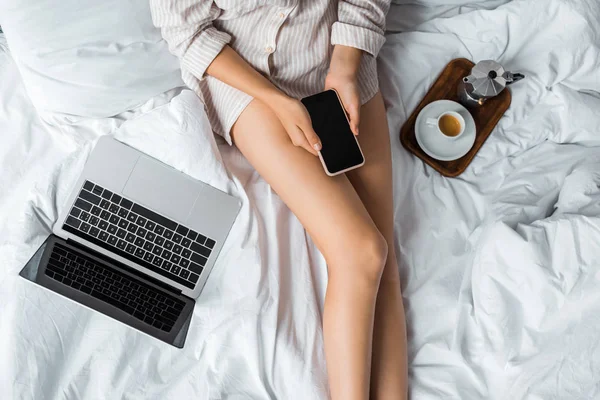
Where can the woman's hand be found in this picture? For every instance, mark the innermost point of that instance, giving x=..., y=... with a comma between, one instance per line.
x=296, y=121
x=343, y=70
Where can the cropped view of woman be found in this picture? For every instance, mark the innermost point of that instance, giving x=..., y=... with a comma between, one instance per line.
x=251, y=61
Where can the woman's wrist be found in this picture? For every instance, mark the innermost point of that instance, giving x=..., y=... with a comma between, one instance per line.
x=345, y=60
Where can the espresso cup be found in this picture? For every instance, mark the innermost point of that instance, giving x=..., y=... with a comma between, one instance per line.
x=449, y=124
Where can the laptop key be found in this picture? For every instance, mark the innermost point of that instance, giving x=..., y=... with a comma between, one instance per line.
x=157, y=250
x=74, y=222
x=195, y=268
x=177, y=238
x=84, y=216
x=103, y=236
x=150, y=225
x=107, y=194
x=84, y=205
x=140, y=253
x=175, y=269
x=148, y=257
x=113, y=208
x=104, y=215
x=168, y=234
x=94, y=221
x=141, y=221
x=166, y=254
x=121, y=244
x=85, y=228
x=88, y=185
x=159, y=230
x=97, y=190
x=167, y=265
x=186, y=242
x=148, y=246
x=104, y=204
x=116, y=198
x=94, y=231
x=192, y=235
x=175, y=259
x=187, y=253
x=92, y=198
x=130, y=248
x=132, y=227
x=123, y=212
x=139, y=242
x=130, y=237
x=112, y=229
x=177, y=249
x=112, y=240
x=75, y=212
x=201, y=239
x=184, y=273
x=197, y=258
x=126, y=203
x=182, y=230
x=114, y=219
x=123, y=223
x=132, y=217
x=184, y=263
x=141, y=232
x=157, y=261
x=200, y=249
x=150, y=236
x=169, y=245
x=210, y=243
x=121, y=233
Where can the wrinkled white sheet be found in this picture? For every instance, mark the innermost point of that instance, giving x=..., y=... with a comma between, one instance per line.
x=500, y=266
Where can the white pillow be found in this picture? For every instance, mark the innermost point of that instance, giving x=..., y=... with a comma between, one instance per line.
x=91, y=58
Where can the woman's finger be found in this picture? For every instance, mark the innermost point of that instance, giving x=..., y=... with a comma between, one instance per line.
x=299, y=139
x=311, y=137
x=354, y=115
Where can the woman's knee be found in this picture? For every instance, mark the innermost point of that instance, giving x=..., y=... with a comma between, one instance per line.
x=362, y=256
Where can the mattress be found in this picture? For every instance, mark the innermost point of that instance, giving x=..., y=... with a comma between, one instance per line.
x=500, y=266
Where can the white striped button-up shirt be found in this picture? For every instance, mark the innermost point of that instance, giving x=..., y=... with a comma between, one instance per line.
x=289, y=41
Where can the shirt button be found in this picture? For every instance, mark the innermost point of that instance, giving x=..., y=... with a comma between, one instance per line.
x=268, y=49
x=281, y=15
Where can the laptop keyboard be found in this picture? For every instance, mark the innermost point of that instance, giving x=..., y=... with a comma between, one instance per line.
x=138, y=234
x=142, y=301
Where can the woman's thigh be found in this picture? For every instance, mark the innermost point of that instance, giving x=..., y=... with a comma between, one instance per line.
x=328, y=207
x=373, y=181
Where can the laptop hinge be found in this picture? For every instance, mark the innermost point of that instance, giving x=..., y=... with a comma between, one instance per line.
x=125, y=267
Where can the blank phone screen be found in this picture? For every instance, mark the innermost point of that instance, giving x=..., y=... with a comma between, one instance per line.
x=340, y=150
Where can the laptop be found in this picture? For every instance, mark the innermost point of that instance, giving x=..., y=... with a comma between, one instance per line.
x=135, y=241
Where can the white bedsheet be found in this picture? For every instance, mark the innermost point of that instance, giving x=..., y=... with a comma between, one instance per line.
x=500, y=266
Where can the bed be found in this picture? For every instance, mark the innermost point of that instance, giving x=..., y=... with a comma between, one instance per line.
x=500, y=266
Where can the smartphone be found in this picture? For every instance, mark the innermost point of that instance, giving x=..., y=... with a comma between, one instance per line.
x=340, y=151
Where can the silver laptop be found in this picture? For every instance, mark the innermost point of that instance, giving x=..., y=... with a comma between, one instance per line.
x=136, y=241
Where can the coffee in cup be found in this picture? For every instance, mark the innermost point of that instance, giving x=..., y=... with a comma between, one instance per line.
x=450, y=124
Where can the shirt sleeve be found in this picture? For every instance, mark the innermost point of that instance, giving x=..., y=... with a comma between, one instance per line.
x=187, y=27
x=361, y=24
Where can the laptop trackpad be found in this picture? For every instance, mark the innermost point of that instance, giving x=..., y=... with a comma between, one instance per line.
x=161, y=188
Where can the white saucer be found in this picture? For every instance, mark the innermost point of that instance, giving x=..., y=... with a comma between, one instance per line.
x=435, y=144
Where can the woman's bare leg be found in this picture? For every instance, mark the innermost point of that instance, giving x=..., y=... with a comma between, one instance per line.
x=334, y=216
x=373, y=183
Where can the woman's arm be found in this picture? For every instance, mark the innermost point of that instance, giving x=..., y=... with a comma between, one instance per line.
x=360, y=28
x=187, y=27
x=230, y=68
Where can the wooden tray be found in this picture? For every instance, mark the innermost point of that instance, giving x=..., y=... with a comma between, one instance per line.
x=486, y=117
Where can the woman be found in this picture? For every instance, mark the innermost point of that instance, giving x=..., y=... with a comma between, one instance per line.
x=251, y=60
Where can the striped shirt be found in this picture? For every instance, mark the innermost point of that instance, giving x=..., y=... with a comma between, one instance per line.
x=288, y=41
